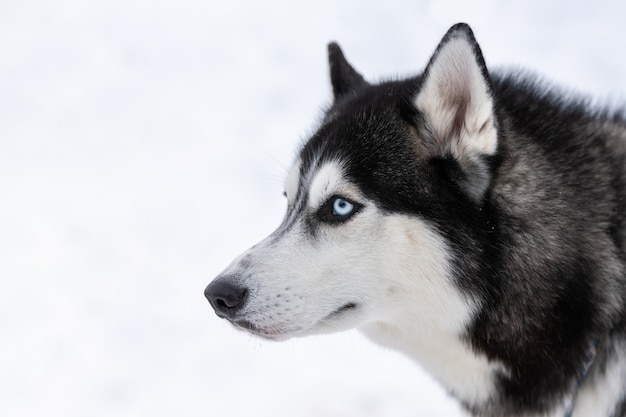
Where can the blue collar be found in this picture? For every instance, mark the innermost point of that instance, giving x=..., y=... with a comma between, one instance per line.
x=589, y=359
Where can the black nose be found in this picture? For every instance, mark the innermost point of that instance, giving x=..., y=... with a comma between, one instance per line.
x=225, y=296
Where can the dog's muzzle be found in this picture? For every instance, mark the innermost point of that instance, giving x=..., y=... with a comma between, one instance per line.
x=226, y=297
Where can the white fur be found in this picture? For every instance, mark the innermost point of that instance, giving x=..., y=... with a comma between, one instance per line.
x=426, y=315
x=395, y=269
x=329, y=181
x=454, y=84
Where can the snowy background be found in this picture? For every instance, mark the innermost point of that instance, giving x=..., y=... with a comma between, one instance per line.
x=143, y=146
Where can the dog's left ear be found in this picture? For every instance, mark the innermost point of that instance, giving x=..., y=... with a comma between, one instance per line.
x=456, y=101
x=343, y=77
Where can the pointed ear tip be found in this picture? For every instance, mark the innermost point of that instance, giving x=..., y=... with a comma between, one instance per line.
x=462, y=29
x=461, y=26
x=334, y=48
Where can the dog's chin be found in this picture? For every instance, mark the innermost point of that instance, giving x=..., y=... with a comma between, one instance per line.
x=270, y=332
x=343, y=318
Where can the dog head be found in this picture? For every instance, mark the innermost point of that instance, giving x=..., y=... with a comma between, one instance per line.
x=363, y=240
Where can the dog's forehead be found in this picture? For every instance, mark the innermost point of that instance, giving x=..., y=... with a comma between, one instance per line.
x=363, y=144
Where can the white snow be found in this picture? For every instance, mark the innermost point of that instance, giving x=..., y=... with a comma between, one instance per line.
x=143, y=145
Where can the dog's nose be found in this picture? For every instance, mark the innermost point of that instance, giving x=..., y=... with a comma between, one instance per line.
x=225, y=296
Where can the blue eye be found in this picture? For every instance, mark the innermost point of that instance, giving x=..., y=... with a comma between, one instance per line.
x=342, y=207
x=337, y=210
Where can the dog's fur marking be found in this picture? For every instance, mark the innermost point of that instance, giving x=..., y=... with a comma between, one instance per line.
x=328, y=181
x=418, y=271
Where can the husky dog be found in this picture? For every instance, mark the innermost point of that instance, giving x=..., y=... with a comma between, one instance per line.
x=473, y=220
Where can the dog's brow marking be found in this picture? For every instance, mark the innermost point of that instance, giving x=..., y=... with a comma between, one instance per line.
x=324, y=182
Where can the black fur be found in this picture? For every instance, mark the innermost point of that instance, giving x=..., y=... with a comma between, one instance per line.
x=543, y=249
x=344, y=78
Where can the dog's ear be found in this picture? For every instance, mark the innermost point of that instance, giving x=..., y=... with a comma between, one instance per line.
x=456, y=100
x=343, y=77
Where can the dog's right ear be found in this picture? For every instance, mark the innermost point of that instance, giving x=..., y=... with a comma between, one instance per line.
x=456, y=100
x=343, y=77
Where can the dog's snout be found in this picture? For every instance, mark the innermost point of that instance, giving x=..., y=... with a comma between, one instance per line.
x=225, y=296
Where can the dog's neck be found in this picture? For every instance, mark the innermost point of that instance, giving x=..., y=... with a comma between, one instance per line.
x=467, y=375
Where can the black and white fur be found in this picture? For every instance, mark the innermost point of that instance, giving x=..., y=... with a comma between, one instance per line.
x=473, y=220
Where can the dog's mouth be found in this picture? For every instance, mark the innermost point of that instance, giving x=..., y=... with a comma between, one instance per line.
x=280, y=331
x=341, y=311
